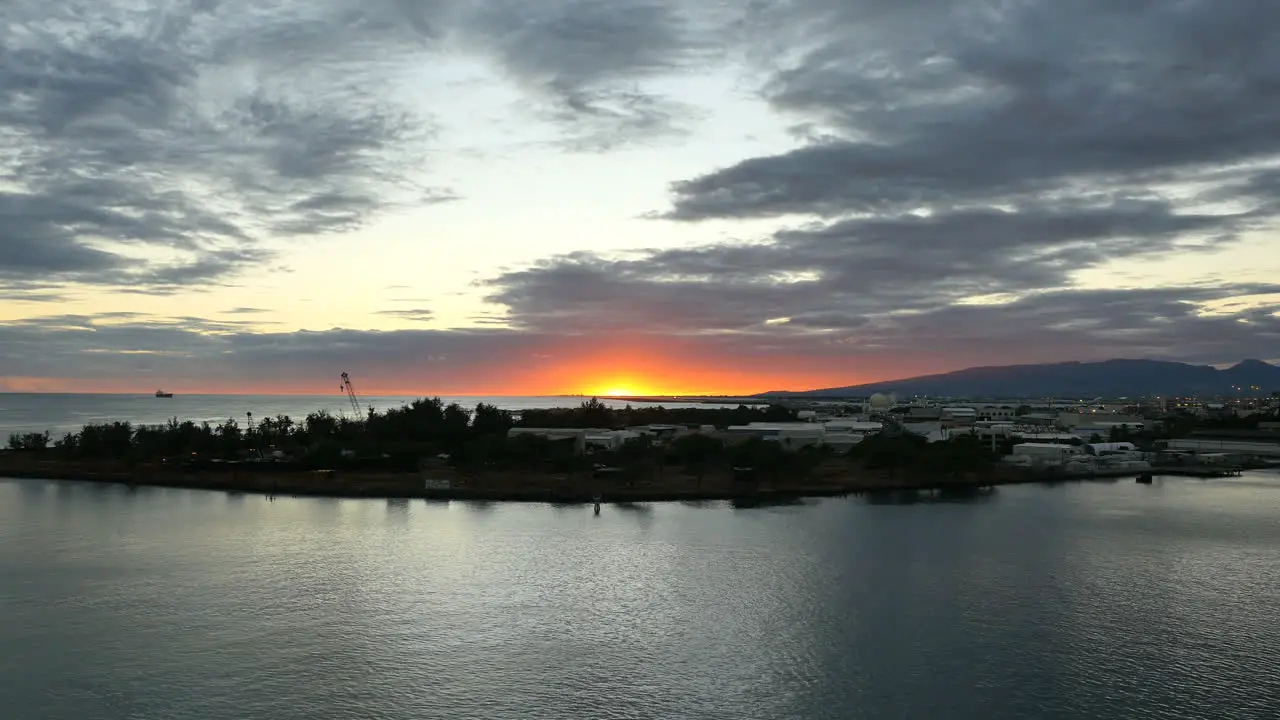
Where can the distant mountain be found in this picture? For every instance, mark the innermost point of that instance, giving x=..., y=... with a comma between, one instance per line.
x=1109, y=378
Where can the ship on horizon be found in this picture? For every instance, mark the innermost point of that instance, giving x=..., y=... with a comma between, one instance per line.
x=163, y=394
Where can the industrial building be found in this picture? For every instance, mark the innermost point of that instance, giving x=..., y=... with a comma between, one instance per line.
x=1045, y=453
x=1239, y=448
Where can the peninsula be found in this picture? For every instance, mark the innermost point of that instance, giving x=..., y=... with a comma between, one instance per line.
x=433, y=450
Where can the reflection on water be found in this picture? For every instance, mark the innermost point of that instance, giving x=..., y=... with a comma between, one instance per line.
x=972, y=494
x=1081, y=600
x=747, y=502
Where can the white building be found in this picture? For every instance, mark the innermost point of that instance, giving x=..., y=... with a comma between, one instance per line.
x=1107, y=448
x=608, y=439
x=854, y=426
x=997, y=412
x=1088, y=420
x=791, y=435
x=1046, y=453
x=960, y=413
x=839, y=435
x=1234, y=447
x=577, y=435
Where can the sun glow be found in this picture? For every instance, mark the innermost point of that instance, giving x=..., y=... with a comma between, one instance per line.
x=620, y=387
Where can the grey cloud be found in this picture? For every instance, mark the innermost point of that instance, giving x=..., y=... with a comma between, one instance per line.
x=29, y=294
x=1090, y=324
x=1042, y=327
x=960, y=149
x=211, y=266
x=224, y=352
x=38, y=237
x=571, y=43
x=588, y=59
x=944, y=103
x=134, y=125
x=839, y=274
x=414, y=314
x=206, y=126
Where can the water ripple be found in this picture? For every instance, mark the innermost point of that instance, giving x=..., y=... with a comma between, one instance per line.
x=1078, y=601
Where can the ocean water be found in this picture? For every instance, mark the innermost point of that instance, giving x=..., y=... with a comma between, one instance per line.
x=60, y=413
x=1089, y=600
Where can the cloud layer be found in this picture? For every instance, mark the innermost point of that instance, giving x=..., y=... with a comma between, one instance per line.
x=114, y=352
x=159, y=145
x=962, y=150
x=166, y=145
x=956, y=166
x=940, y=103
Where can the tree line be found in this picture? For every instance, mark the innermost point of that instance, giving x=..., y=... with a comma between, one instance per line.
x=473, y=440
x=422, y=428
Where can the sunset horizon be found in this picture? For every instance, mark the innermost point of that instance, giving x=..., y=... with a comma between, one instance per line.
x=636, y=197
x=612, y=385
x=920, y=332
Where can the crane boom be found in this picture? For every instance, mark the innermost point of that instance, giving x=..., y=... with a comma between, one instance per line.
x=351, y=394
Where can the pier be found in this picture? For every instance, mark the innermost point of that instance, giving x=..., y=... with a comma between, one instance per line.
x=1198, y=471
x=1195, y=471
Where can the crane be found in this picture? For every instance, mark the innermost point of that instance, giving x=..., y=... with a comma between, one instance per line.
x=254, y=451
x=351, y=394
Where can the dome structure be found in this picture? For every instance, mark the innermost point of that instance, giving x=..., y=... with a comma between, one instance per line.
x=882, y=400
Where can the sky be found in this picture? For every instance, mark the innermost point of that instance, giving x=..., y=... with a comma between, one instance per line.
x=519, y=197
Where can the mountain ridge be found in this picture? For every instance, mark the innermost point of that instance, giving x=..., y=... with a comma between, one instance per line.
x=1117, y=377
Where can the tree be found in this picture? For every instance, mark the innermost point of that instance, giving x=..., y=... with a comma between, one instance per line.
x=765, y=458
x=695, y=451
x=1119, y=433
x=106, y=440
x=490, y=420
x=29, y=441
x=779, y=413
x=229, y=438
x=959, y=455
x=528, y=451
x=593, y=414
x=890, y=451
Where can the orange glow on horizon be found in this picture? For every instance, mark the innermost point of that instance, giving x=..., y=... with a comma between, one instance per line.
x=701, y=383
x=617, y=367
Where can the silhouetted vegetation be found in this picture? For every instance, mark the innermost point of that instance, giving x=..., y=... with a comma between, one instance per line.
x=29, y=441
x=911, y=453
x=400, y=438
x=595, y=414
x=475, y=443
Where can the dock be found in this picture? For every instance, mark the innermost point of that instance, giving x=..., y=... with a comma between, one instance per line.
x=1195, y=471
x=1198, y=471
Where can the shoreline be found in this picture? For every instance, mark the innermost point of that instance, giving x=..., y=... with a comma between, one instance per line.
x=445, y=483
x=412, y=486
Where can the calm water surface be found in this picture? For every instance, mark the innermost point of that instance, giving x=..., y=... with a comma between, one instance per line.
x=1076, y=601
